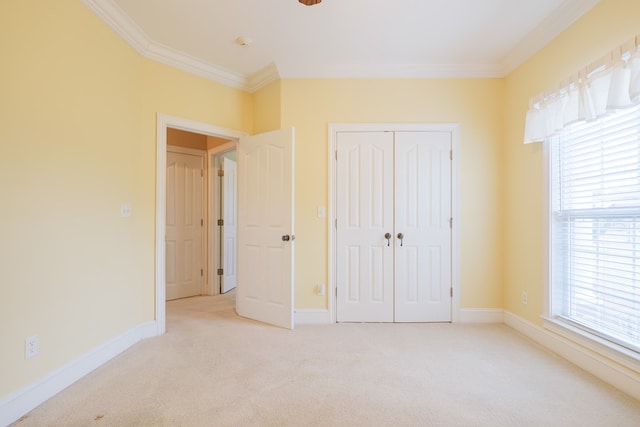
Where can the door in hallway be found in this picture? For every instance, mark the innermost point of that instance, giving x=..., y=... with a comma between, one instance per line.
x=185, y=225
x=229, y=221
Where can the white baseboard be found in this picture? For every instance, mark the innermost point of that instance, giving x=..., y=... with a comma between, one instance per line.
x=312, y=317
x=600, y=366
x=481, y=315
x=467, y=315
x=22, y=401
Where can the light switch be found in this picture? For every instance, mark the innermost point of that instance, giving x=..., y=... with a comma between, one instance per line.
x=125, y=210
x=322, y=211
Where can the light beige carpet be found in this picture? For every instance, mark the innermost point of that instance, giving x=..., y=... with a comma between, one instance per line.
x=213, y=368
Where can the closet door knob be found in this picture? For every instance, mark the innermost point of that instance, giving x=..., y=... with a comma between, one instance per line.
x=388, y=237
x=401, y=237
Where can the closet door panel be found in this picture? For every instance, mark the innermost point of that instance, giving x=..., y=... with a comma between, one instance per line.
x=422, y=214
x=364, y=259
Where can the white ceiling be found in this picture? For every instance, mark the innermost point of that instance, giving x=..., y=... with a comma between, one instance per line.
x=339, y=38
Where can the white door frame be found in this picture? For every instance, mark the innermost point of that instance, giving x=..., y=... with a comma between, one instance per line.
x=163, y=123
x=214, y=211
x=454, y=129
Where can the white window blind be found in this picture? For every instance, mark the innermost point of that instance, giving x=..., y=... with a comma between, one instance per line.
x=595, y=220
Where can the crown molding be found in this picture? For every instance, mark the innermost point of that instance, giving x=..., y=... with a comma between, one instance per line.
x=109, y=12
x=190, y=64
x=125, y=27
x=263, y=77
x=550, y=28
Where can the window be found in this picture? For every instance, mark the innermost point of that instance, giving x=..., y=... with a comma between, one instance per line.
x=595, y=227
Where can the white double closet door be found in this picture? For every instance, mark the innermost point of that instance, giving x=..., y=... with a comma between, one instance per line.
x=393, y=227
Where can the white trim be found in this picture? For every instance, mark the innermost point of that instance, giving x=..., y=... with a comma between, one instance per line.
x=481, y=315
x=112, y=15
x=109, y=12
x=26, y=399
x=619, y=354
x=312, y=317
x=163, y=122
x=166, y=55
x=546, y=227
x=455, y=213
x=454, y=129
x=262, y=78
x=606, y=369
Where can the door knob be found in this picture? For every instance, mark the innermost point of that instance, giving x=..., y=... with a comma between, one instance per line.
x=286, y=238
x=388, y=237
x=401, y=237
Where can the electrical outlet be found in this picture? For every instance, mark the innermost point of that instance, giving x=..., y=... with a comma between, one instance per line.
x=31, y=347
x=525, y=298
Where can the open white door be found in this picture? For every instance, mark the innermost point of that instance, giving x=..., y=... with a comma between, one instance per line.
x=265, y=227
x=229, y=208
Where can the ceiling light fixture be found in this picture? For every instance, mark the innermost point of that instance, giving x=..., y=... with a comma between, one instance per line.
x=309, y=2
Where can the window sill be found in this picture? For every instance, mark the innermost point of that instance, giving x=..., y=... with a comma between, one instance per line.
x=620, y=355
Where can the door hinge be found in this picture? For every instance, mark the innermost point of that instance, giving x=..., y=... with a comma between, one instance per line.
x=220, y=172
x=221, y=222
x=201, y=272
x=201, y=222
x=336, y=292
x=201, y=172
x=220, y=272
x=336, y=154
x=451, y=292
x=450, y=222
x=450, y=154
x=336, y=223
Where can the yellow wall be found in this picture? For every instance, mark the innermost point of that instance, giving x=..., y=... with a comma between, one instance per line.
x=310, y=105
x=266, y=106
x=609, y=24
x=78, y=138
x=78, y=112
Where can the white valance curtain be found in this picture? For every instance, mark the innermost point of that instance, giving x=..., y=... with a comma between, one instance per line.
x=609, y=84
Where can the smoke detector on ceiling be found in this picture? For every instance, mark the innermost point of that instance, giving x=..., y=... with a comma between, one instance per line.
x=243, y=41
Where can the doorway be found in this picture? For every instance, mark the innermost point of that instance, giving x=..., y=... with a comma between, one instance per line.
x=394, y=275
x=165, y=122
x=195, y=210
x=265, y=184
